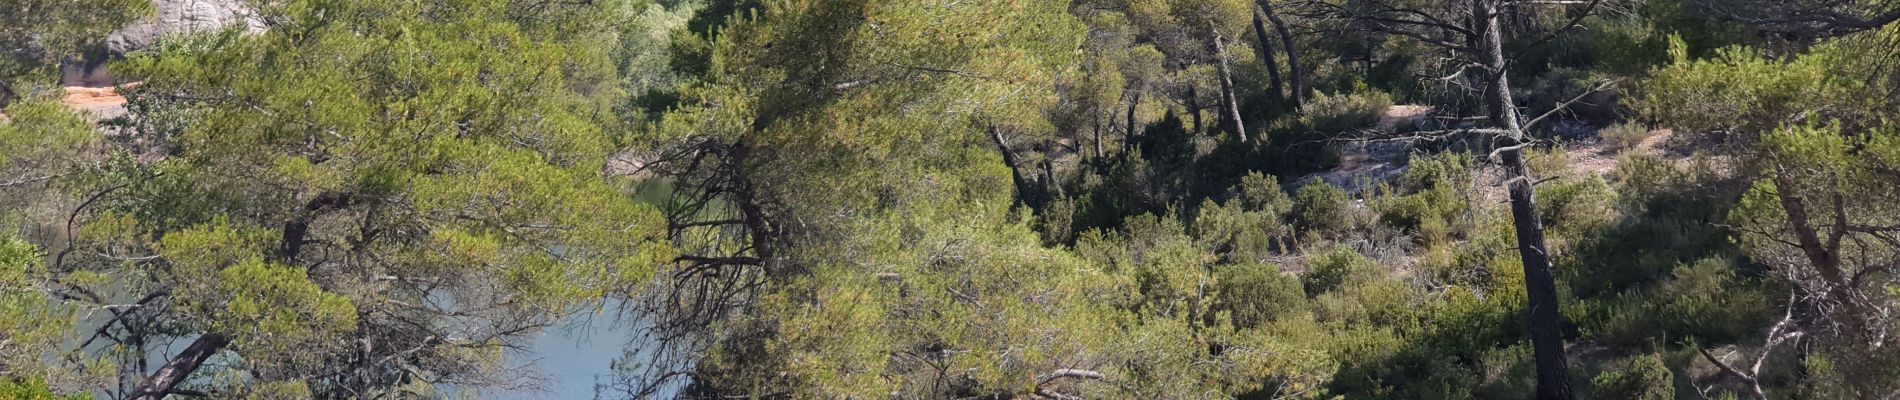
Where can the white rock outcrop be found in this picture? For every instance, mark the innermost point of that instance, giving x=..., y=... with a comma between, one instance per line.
x=173, y=17
x=182, y=16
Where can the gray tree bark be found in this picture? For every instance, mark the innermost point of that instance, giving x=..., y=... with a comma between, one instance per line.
x=1546, y=320
x=1194, y=106
x=1128, y=138
x=1232, y=103
x=1265, y=49
x=166, y=378
x=1023, y=188
x=1296, y=77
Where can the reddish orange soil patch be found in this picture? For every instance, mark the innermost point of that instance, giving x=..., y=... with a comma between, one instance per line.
x=92, y=99
x=103, y=102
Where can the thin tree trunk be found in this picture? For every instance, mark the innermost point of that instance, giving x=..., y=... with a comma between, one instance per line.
x=1050, y=189
x=1194, y=107
x=1128, y=139
x=6, y=95
x=1015, y=169
x=1265, y=49
x=1232, y=114
x=166, y=378
x=1295, y=76
x=1553, y=379
x=1823, y=254
x=1098, y=132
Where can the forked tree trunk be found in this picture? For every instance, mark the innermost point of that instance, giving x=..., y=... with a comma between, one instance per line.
x=1823, y=254
x=1546, y=320
x=1295, y=76
x=1265, y=49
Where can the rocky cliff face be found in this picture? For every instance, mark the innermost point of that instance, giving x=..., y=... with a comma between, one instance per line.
x=173, y=17
x=182, y=16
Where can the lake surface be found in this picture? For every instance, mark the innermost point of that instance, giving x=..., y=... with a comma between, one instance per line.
x=578, y=354
x=573, y=356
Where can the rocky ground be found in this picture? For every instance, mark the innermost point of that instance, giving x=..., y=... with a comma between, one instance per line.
x=1365, y=164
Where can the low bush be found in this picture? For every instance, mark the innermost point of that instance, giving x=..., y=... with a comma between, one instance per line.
x=1258, y=192
x=1342, y=112
x=1237, y=235
x=1622, y=137
x=1576, y=205
x=1643, y=377
x=1336, y=268
x=1256, y=294
x=1429, y=200
x=1321, y=208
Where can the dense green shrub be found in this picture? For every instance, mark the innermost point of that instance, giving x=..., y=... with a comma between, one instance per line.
x=1168, y=143
x=1258, y=192
x=1506, y=372
x=1548, y=161
x=1108, y=190
x=1256, y=294
x=1336, y=268
x=1321, y=208
x=1057, y=222
x=1573, y=205
x=1707, y=300
x=31, y=390
x=1297, y=150
x=1626, y=46
x=1238, y=235
x=1428, y=172
x=1488, y=262
x=1303, y=144
x=1430, y=198
x=1561, y=84
x=1664, y=210
x=1643, y=377
x=1342, y=112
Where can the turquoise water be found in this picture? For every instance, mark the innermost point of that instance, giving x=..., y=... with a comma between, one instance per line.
x=577, y=355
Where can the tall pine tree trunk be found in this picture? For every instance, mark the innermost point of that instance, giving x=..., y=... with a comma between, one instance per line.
x=1194, y=106
x=1296, y=77
x=1553, y=378
x=1265, y=48
x=1232, y=102
x=1097, y=116
x=1128, y=138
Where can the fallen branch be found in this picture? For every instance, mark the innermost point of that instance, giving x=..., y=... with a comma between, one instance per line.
x=1606, y=85
x=1044, y=379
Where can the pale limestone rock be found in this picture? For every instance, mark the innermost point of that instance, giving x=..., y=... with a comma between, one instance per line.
x=173, y=17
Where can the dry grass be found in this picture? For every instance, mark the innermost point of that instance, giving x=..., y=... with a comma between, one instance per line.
x=1623, y=137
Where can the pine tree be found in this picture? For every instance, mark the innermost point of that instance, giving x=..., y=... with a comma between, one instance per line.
x=368, y=198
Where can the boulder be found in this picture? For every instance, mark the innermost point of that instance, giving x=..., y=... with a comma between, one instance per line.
x=172, y=17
